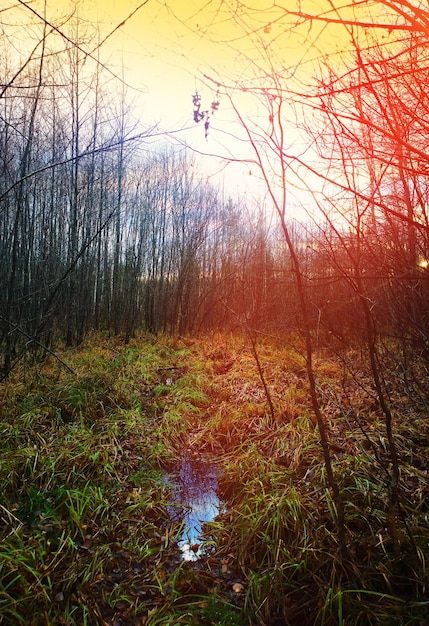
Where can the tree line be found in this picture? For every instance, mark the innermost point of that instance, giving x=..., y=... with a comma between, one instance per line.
x=102, y=230
x=361, y=278
x=98, y=229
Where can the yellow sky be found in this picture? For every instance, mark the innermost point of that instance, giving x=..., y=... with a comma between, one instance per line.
x=165, y=50
x=166, y=45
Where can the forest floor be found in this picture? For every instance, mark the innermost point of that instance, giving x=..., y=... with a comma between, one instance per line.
x=87, y=530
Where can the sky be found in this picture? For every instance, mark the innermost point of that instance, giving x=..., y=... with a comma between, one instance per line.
x=167, y=46
x=163, y=49
x=166, y=51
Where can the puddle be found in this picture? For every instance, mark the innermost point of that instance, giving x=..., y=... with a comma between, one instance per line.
x=194, y=484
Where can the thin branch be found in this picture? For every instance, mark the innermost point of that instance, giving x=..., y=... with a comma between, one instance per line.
x=32, y=340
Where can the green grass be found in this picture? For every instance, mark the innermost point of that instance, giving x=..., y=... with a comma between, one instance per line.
x=86, y=535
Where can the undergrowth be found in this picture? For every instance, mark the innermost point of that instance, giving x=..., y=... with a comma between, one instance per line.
x=86, y=535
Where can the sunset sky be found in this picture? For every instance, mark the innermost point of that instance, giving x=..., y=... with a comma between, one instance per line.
x=166, y=51
x=164, y=47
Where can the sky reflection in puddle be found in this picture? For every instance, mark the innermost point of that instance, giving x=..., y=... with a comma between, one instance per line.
x=194, y=484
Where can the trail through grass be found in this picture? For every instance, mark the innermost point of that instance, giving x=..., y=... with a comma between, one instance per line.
x=87, y=536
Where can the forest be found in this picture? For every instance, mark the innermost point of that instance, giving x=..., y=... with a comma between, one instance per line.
x=148, y=318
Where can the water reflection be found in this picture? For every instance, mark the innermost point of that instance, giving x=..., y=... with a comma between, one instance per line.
x=194, y=484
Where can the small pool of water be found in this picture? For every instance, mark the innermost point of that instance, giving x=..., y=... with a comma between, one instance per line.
x=194, y=483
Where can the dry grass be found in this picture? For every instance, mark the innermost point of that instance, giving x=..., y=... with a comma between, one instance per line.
x=86, y=534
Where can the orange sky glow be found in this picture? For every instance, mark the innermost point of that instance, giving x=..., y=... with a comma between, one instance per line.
x=163, y=48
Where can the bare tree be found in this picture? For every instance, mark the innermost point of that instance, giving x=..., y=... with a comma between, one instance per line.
x=365, y=166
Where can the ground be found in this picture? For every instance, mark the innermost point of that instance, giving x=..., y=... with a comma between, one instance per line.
x=87, y=533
